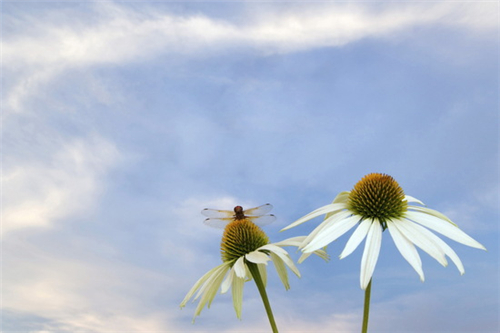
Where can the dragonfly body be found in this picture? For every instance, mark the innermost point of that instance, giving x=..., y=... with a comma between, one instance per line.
x=238, y=213
x=220, y=218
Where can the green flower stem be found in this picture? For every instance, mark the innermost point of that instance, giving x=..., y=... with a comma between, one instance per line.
x=366, y=310
x=262, y=290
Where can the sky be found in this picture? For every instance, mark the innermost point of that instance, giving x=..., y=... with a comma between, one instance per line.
x=121, y=121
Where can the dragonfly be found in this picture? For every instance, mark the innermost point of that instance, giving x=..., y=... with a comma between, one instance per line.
x=220, y=218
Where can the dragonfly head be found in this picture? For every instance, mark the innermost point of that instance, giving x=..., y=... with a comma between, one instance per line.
x=238, y=213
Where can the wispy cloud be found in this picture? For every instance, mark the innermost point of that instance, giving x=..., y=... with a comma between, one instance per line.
x=124, y=35
x=67, y=294
x=38, y=193
x=121, y=35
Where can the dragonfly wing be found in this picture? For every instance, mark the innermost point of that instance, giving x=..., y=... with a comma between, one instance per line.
x=219, y=223
x=217, y=213
x=261, y=210
x=262, y=220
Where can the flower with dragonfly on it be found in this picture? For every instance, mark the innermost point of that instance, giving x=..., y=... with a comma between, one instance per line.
x=245, y=252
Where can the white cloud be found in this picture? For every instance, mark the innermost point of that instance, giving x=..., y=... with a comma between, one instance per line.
x=92, y=295
x=37, y=194
x=122, y=35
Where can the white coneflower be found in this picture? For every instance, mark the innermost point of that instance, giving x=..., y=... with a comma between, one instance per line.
x=245, y=252
x=376, y=203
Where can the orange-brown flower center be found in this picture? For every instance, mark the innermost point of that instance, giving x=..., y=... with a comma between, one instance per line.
x=241, y=237
x=377, y=196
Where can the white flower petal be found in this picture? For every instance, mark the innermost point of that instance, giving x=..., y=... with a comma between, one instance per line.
x=412, y=199
x=201, y=281
x=342, y=197
x=446, y=249
x=263, y=273
x=327, y=223
x=371, y=252
x=221, y=268
x=293, y=241
x=237, y=291
x=315, y=213
x=334, y=218
x=445, y=228
x=432, y=212
x=283, y=255
x=414, y=233
x=227, y=282
x=211, y=290
x=320, y=253
x=257, y=257
x=273, y=248
x=281, y=270
x=297, y=241
x=340, y=226
x=240, y=267
x=453, y=256
x=356, y=238
x=304, y=256
x=406, y=248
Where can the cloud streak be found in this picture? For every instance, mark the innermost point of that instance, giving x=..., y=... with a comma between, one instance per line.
x=68, y=182
x=68, y=294
x=123, y=35
x=33, y=56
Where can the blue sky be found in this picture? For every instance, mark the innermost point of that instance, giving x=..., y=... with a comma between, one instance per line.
x=121, y=121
